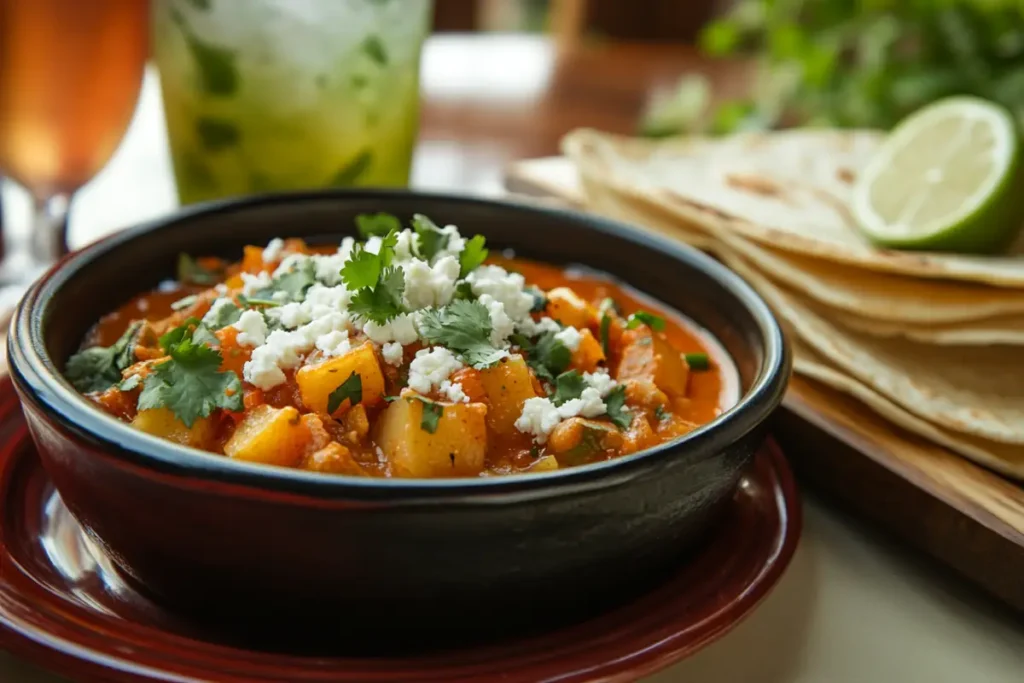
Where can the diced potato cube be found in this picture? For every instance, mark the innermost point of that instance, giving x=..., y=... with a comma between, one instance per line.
x=639, y=436
x=548, y=463
x=318, y=382
x=589, y=354
x=334, y=459
x=234, y=356
x=268, y=435
x=649, y=356
x=507, y=384
x=456, y=448
x=565, y=306
x=163, y=423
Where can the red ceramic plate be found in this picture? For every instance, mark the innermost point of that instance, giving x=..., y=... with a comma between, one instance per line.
x=63, y=606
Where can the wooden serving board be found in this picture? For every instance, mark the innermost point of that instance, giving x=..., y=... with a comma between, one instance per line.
x=965, y=516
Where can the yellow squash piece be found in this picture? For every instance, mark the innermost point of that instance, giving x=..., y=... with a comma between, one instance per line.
x=455, y=449
x=317, y=382
x=566, y=306
x=268, y=435
x=648, y=356
x=508, y=384
x=163, y=423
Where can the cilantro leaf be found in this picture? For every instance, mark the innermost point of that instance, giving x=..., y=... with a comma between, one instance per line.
x=660, y=414
x=615, y=406
x=540, y=299
x=294, y=283
x=191, y=272
x=253, y=302
x=361, y=270
x=473, y=255
x=429, y=238
x=173, y=337
x=656, y=323
x=190, y=383
x=465, y=328
x=99, y=368
x=432, y=412
x=463, y=290
x=130, y=384
x=386, y=253
x=606, y=326
x=697, y=361
x=351, y=389
x=549, y=357
x=382, y=302
x=591, y=444
x=226, y=314
x=379, y=224
x=568, y=385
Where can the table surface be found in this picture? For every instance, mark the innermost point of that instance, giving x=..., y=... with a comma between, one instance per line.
x=852, y=607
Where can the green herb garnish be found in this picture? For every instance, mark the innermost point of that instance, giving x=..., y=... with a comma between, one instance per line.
x=615, y=406
x=190, y=272
x=432, y=412
x=606, y=326
x=659, y=414
x=473, y=255
x=540, y=299
x=656, y=323
x=255, y=301
x=465, y=328
x=697, y=361
x=377, y=224
x=293, y=284
x=382, y=302
x=568, y=385
x=547, y=356
x=430, y=239
x=351, y=389
x=99, y=368
x=190, y=382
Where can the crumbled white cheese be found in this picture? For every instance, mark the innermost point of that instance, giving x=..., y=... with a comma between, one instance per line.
x=328, y=266
x=534, y=328
x=221, y=288
x=453, y=391
x=218, y=305
x=431, y=367
x=589, y=404
x=392, y=353
x=272, y=252
x=254, y=283
x=373, y=244
x=252, y=328
x=321, y=300
x=401, y=329
x=456, y=242
x=539, y=417
x=570, y=337
x=507, y=288
x=334, y=343
x=291, y=315
x=501, y=324
x=427, y=285
x=601, y=381
x=261, y=369
x=291, y=262
x=403, y=246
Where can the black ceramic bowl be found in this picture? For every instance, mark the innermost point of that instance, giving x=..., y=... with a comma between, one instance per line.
x=304, y=552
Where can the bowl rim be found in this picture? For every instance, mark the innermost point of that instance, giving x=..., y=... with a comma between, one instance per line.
x=39, y=380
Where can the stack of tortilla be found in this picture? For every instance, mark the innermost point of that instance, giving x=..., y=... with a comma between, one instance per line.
x=934, y=343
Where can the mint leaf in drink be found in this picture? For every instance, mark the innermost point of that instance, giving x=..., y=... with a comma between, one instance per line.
x=374, y=48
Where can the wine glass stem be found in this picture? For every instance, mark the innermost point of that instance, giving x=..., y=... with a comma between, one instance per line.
x=49, y=239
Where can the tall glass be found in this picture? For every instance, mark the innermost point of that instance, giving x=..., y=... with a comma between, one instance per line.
x=265, y=95
x=70, y=73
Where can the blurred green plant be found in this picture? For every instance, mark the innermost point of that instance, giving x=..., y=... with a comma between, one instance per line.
x=855, y=63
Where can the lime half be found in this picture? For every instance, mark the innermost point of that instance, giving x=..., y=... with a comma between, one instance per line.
x=946, y=179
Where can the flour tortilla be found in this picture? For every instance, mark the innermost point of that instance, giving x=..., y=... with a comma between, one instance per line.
x=978, y=392
x=1004, y=458
x=1008, y=330
x=787, y=190
x=866, y=294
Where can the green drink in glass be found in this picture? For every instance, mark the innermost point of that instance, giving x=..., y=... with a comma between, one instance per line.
x=269, y=95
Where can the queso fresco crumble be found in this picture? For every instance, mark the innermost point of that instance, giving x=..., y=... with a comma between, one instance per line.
x=406, y=353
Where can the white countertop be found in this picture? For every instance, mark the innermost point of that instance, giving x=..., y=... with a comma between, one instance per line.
x=852, y=608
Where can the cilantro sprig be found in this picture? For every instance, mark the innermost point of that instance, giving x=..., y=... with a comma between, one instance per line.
x=190, y=382
x=383, y=301
x=351, y=389
x=377, y=224
x=568, y=386
x=615, y=406
x=430, y=239
x=547, y=356
x=472, y=255
x=465, y=328
x=99, y=368
x=432, y=410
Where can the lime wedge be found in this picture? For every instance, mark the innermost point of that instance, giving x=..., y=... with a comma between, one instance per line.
x=946, y=179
